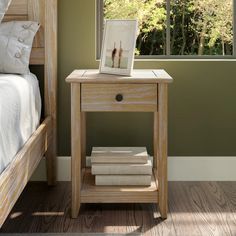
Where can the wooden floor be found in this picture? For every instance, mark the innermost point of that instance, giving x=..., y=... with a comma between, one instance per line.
x=195, y=208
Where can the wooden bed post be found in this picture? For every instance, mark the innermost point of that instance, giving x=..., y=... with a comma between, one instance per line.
x=43, y=141
x=50, y=98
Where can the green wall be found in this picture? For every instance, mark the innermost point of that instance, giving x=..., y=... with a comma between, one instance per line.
x=202, y=109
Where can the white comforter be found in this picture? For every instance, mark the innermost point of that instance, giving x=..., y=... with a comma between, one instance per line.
x=20, y=110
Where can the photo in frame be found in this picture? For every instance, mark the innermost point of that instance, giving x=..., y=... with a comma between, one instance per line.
x=118, y=47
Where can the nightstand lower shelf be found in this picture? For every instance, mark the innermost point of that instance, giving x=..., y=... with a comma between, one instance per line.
x=90, y=193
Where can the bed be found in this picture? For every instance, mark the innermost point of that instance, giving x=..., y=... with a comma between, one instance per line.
x=20, y=109
x=21, y=152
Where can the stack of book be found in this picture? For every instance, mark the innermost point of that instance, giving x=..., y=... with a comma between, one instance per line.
x=121, y=166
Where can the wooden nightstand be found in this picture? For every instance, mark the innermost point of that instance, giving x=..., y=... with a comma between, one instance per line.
x=145, y=91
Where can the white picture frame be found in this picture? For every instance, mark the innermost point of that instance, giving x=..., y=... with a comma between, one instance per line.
x=118, y=47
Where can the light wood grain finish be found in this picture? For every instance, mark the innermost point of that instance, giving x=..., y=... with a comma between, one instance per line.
x=83, y=139
x=90, y=193
x=138, y=77
x=37, y=56
x=18, y=7
x=76, y=148
x=144, y=91
x=155, y=139
x=15, y=177
x=35, y=10
x=50, y=83
x=15, y=17
x=162, y=145
x=44, y=52
x=102, y=97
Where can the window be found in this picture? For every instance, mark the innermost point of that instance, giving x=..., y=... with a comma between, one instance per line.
x=175, y=28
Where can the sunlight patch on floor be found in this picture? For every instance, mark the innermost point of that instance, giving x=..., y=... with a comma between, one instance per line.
x=48, y=214
x=15, y=215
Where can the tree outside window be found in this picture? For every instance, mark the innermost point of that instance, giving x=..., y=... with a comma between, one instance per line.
x=178, y=27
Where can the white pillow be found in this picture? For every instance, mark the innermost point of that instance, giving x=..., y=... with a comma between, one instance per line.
x=4, y=4
x=16, y=39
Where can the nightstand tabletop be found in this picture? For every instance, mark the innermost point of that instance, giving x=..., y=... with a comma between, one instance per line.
x=138, y=76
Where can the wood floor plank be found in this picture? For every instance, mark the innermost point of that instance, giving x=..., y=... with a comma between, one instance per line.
x=205, y=210
x=229, y=190
x=141, y=219
x=114, y=218
x=154, y=225
x=218, y=207
x=195, y=208
x=181, y=210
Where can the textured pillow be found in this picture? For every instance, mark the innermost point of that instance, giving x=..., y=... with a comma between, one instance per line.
x=4, y=4
x=16, y=39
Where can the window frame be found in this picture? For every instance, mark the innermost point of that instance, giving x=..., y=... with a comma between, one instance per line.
x=99, y=35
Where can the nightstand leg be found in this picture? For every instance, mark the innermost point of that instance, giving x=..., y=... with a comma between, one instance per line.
x=83, y=139
x=162, y=140
x=76, y=148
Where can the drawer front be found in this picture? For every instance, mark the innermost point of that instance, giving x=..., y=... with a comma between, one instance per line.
x=119, y=97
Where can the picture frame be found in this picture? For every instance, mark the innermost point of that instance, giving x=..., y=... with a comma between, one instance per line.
x=118, y=47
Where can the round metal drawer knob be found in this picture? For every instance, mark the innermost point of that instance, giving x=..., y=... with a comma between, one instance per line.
x=119, y=97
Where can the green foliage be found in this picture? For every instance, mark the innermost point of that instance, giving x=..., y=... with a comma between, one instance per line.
x=198, y=27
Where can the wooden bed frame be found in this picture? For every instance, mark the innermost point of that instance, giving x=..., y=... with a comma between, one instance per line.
x=43, y=141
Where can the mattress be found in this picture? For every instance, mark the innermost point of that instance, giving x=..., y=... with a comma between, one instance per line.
x=20, y=110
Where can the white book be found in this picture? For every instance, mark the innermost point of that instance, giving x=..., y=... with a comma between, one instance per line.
x=118, y=180
x=119, y=155
x=89, y=164
x=122, y=169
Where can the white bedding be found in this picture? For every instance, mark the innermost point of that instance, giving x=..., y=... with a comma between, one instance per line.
x=20, y=110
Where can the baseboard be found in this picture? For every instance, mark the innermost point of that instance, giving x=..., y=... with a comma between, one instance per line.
x=179, y=169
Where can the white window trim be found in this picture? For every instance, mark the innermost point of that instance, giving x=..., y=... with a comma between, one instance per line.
x=167, y=57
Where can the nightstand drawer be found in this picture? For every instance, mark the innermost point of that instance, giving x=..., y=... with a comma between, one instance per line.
x=119, y=97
